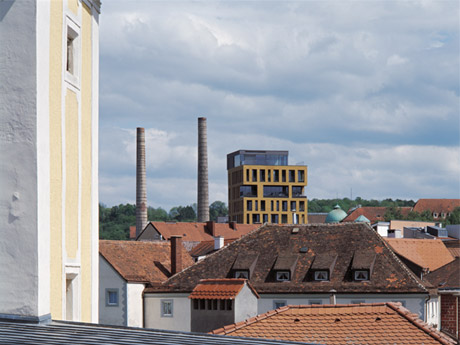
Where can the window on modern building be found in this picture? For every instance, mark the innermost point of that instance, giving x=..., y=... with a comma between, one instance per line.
x=265, y=218
x=256, y=205
x=247, y=219
x=111, y=297
x=361, y=275
x=284, y=206
x=247, y=175
x=249, y=205
x=277, y=205
x=272, y=205
x=315, y=302
x=262, y=175
x=269, y=175
x=301, y=206
x=262, y=205
x=321, y=275
x=255, y=218
x=242, y=274
x=301, y=176
x=276, y=175
x=279, y=303
x=166, y=308
x=293, y=206
x=283, y=276
x=283, y=175
x=254, y=175
x=284, y=219
x=274, y=218
x=291, y=175
x=296, y=191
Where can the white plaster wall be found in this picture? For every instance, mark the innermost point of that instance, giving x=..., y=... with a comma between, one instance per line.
x=135, y=304
x=415, y=303
x=245, y=304
x=433, y=316
x=110, y=279
x=19, y=212
x=181, y=312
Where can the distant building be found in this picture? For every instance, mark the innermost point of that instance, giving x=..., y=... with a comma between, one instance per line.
x=49, y=80
x=439, y=208
x=263, y=188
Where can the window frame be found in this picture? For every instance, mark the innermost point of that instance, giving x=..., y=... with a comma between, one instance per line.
x=108, y=291
x=278, y=273
x=356, y=272
x=164, y=302
x=241, y=272
x=316, y=274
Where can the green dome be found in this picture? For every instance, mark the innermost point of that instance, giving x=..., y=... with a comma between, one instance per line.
x=336, y=215
x=362, y=219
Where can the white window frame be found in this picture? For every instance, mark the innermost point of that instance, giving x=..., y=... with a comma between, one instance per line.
x=73, y=31
x=165, y=302
x=357, y=272
x=280, y=278
x=107, y=297
x=318, y=278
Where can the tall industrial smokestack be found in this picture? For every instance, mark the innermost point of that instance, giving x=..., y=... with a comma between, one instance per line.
x=141, y=189
x=203, y=198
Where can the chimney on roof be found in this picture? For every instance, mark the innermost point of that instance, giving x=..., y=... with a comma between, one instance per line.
x=203, y=195
x=211, y=228
x=232, y=225
x=132, y=232
x=141, y=190
x=218, y=242
x=176, y=254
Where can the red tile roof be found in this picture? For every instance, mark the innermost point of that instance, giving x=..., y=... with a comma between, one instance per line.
x=376, y=323
x=141, y=261
x=264, y=246
x=206, y=247
x=447, y=276
x=219, y=289
x=438, y=206
x=426, y=253
x=374, y=214
x=199, y=232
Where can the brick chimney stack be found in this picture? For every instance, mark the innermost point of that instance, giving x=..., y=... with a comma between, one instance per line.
x=141, y=189
x=176, y=254
x=203, y=193
x=211, y=228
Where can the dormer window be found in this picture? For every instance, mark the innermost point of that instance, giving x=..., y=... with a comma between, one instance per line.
x=242, y=274
x=283, y=276
x=361, y=275
x=321, y=275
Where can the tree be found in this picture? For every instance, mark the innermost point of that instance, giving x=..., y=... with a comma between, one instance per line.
x=217, y=209
x=454, y=217
x=157, y=214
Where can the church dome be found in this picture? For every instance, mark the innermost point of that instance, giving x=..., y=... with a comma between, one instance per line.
x=336, y=215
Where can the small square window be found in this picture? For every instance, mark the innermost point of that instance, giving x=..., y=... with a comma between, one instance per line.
x=321, y=275
x=279, y=304
x=361, y=275
x=242, y=274
x=166, y=308
x=111, y=297
x=282, y=276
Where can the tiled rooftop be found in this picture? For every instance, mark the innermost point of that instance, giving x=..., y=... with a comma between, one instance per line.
x=206, y=247
x=426, y=253
x=219, y=289
x=259, y=251
x=141, y=261
x=446, y=277
x=377, y=323
x=374, y=214
x=438, y=206
x=199, y=232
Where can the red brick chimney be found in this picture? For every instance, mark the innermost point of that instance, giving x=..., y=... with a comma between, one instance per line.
x=211, y=228
x=176, y=254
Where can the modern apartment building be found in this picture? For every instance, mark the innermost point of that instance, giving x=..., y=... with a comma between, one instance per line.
x=263, y=188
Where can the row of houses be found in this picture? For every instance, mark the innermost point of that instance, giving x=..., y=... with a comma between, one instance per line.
x=268, y=268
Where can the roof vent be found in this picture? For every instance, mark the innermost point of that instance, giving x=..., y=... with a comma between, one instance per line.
x=337, y=320
x=297, y=320
x=295, y=230
x=304, y=250
x=378, y=319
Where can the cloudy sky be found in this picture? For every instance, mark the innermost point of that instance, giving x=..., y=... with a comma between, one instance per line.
x=366, y=93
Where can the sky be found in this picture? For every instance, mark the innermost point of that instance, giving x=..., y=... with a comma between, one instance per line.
x=365, y=93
